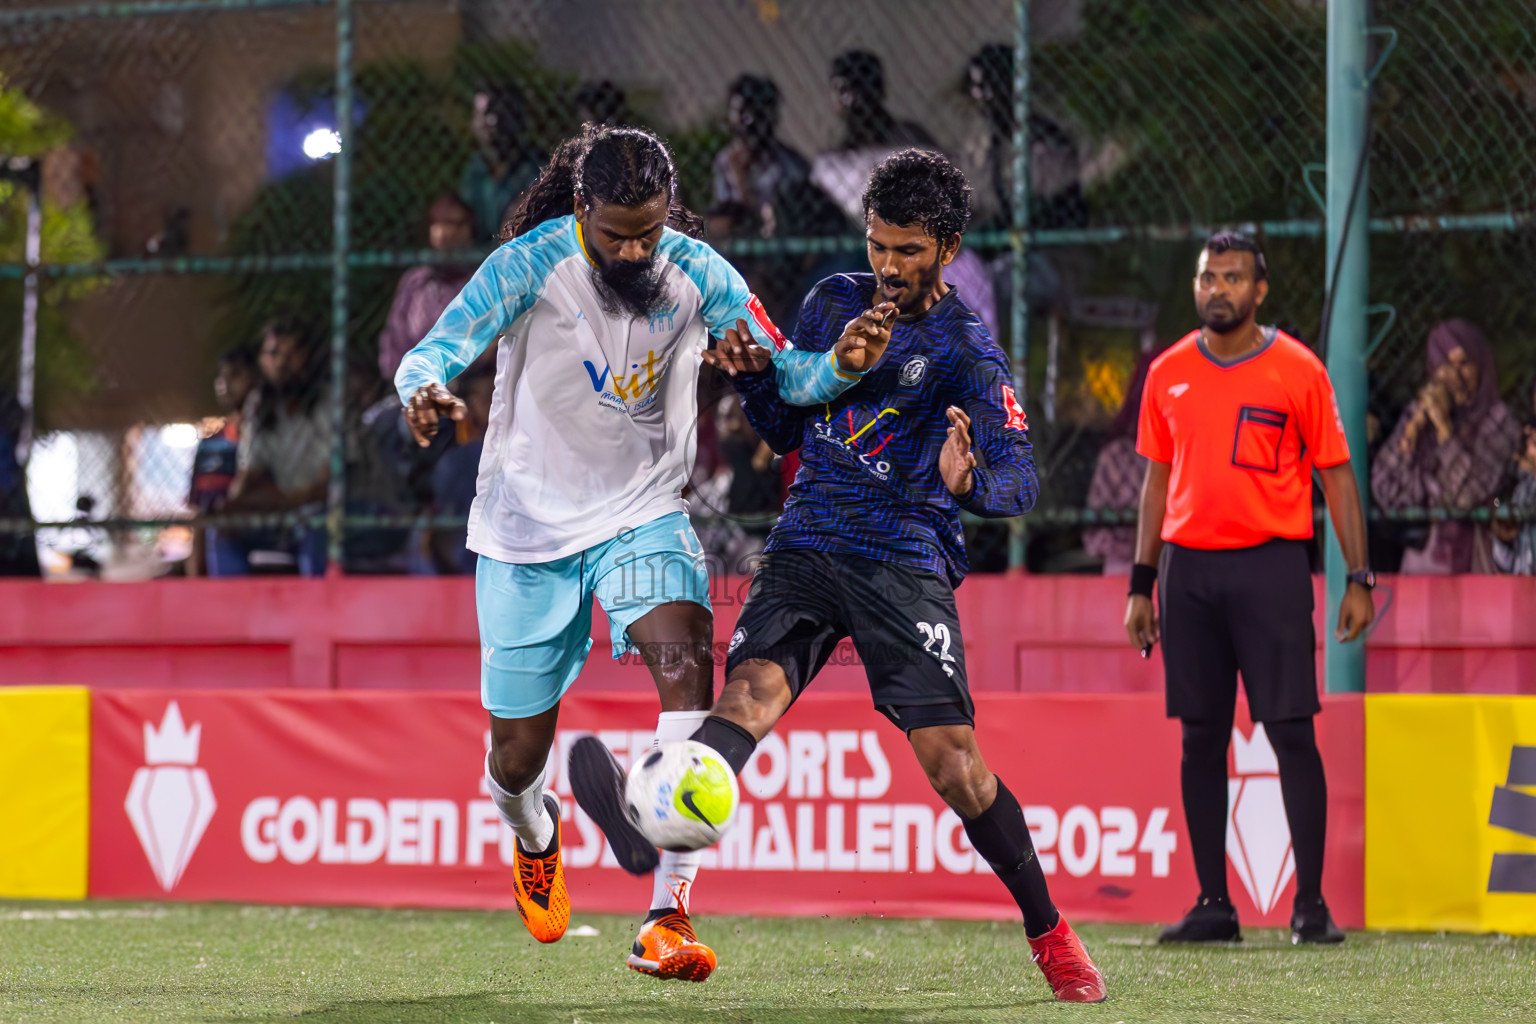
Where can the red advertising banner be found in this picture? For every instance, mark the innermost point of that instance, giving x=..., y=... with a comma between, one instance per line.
x=378, y=798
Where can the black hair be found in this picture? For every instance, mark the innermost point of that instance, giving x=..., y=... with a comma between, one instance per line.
x=1236, y=241
x=919, y=186
x=312, y=378
x=863, y=73
x=239, y=358
x=759, y=94
x=627, y=166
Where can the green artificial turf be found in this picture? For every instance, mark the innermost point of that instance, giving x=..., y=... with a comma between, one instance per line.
x=153, y=962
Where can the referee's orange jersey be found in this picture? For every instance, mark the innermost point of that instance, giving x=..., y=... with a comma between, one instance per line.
x=1242, y=438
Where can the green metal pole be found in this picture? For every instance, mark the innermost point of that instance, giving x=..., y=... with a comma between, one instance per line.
x=336, y=497
x=1349, y=267
x=1018, y=326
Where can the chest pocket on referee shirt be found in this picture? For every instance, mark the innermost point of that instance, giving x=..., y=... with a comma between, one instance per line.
x=1259, y=433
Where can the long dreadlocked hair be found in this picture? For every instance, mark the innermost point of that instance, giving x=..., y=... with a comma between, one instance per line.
x=628, y=166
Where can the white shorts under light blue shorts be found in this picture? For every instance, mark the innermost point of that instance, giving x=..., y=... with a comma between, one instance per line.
x=536, y=619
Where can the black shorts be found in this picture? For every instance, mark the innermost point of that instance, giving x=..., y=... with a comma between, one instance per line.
x=1245, y=610
x=902, y=620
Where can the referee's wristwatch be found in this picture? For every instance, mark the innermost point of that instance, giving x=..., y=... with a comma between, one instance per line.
x=1365, y=577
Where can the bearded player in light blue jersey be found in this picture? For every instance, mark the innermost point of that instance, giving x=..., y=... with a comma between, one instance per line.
x=603, y=316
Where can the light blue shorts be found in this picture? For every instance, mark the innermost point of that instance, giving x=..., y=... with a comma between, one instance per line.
x=536, y=619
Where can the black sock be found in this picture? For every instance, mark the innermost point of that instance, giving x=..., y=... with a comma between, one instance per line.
x=1001, y=837
x=1203, y=774
x=1305, y=792
x=732, y=742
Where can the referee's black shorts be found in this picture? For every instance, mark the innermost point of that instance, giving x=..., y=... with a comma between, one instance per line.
x=902, y=619
x=1238, y=610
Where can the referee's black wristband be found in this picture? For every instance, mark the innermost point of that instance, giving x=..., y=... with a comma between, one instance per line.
x=1143, y=578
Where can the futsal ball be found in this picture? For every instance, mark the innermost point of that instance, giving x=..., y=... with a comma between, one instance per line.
x=681, y=796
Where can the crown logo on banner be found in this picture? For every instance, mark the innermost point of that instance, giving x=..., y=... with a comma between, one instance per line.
x=173, y=742
x=1258, y=837
x=170, y=800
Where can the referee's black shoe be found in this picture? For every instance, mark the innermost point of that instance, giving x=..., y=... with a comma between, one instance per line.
x=1312, y=924
x=1211, y=920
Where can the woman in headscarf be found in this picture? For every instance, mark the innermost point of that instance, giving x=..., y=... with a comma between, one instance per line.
x=1514, y=542
x=1451, y=449
x=1117, y=478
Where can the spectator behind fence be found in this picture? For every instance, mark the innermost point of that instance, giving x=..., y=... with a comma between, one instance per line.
x=1117, y=478
x=455, y=475
x=285, y=458
x=1452, y=450
x=379, y=450
x=18, y=551
x=1055, y=176
x=504, y=162
x=1514, y=543
x=216, y=460
x=755, y=168
x=425, y=291
x=870, y=131
x=732, y=507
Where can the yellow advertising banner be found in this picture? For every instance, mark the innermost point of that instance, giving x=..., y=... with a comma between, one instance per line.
x=45, y=760
x=1450, y=813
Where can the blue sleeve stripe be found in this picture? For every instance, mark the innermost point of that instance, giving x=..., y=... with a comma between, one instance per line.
x=505, y=287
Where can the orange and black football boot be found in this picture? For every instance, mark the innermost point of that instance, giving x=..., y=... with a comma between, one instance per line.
x=668, y=948
x=539, y=885
x=1067, y=966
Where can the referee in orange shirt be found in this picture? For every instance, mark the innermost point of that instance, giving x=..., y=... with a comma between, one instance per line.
x=1234, y=419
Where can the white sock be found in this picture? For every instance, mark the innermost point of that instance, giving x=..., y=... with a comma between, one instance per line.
x=524, y=813
x=676, y=872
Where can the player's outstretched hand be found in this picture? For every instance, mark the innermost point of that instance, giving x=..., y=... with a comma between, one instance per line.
x=864, y=339
x=427, y=403
x=737, y=352
x=956, y=460
x=1141, y=623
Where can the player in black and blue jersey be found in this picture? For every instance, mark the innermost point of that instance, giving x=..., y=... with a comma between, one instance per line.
x=870, y=546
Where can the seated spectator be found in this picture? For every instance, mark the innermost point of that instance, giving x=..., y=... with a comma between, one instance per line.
x=424, y=292
x=1117, y=479
x=216, y=460
x=18, y=551
x=870, y=131
x=1056, y=196
x=285, y=458
x=733, y=509
x=457, y=472
x=504, y=162
x=1451, y=450
x=1514, y=543
x=379, y=450
x=756, y=167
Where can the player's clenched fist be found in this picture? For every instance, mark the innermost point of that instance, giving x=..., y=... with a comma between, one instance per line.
x=427, y=404
x=864, y=339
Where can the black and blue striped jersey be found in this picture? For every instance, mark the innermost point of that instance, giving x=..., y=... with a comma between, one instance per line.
x=869, y=481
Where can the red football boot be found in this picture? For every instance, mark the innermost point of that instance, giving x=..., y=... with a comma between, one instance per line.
x=1067, y=966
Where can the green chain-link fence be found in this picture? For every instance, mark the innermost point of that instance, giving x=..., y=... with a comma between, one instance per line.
x=190, y=153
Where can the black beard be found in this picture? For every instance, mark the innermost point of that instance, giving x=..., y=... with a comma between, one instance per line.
x=634, y=287
x=1222, y=322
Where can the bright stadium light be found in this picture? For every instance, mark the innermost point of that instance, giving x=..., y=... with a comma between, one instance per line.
x=179, y=435
x=322, y=143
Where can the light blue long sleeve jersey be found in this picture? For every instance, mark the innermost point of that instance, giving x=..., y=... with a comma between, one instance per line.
x=592, y=427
